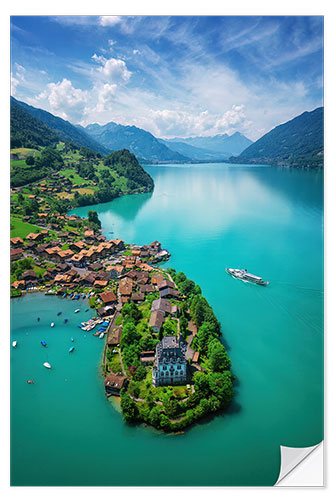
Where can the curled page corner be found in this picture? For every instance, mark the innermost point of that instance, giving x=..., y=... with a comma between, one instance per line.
x=296, y=469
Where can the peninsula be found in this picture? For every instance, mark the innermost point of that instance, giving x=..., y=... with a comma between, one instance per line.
x=163, y=355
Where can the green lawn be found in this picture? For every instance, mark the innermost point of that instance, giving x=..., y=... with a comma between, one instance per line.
x=17, y=163
x=20, y=228
x=76, y=179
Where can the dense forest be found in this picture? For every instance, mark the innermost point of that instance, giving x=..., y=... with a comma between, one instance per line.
x=35, y=168
x=297, y=143
x=29, y=132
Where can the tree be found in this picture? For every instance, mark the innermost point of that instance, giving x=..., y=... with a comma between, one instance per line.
x=218, y=358
x=201, y=384
x=183, y=324
x=164, y=421
x=93, y=217
x=154, y=416
x=129, y=408
x=129, y=334
x=201, y=340
x=131, y=312
x=30, y=160
x=140, y=373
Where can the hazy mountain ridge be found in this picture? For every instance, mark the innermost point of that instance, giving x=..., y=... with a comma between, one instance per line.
x=140, y=142
x=221, y=143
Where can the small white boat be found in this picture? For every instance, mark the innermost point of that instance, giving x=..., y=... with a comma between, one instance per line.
x=14, y=343
x=77, y=310
x=101, y=335
x=47, y=365
x=52, y=325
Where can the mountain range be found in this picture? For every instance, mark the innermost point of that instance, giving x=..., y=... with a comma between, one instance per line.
x=217, y=146
x=296, y=143
x=138, y=141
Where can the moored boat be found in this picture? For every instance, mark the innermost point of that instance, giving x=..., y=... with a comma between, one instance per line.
x=47, y=365
x=44, y=344
x=72, y=339
x=244, y=275
x=101, y=335
x=71, y=349
x=30, y=381
x=14, y=343
x=65, y=320
x=77, y=310
x=52, y=325
x=58, y=314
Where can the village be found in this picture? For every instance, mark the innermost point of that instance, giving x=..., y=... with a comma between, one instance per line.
x=156, y=324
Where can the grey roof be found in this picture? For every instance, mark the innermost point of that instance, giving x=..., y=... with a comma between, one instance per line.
x=170, y=350
x=161, y=305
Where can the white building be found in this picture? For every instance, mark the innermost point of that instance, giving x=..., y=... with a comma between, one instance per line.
x=170, y=362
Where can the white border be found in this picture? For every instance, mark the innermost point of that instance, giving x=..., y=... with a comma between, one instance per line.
x=132, y=7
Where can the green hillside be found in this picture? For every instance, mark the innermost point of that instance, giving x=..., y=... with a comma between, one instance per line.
x=62, y=128
x=29, y=132
x=296, y=143
x=69, y=176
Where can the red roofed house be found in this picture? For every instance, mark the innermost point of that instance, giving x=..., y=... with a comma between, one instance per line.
x=16, y=242
x=108, y=297
x=16, y=253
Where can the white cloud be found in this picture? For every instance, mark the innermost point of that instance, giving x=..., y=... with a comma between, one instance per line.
x=113, y=69
x=106, y=95
x=14, y=83
x=98, y=59
x=111, y=43
x=63, y=99
x=136, y=51
x=109, y=20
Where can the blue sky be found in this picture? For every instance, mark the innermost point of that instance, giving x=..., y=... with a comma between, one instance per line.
x=172, y=76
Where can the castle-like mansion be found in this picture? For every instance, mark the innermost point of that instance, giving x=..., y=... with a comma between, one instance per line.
x=170, y=362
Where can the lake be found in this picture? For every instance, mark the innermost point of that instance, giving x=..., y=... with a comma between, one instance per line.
x=267, y=220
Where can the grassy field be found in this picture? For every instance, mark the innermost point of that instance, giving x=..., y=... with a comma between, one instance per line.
x=72, y=175
x=20, y=228
x=17, y=163
x=22, y=150
x=85, y=190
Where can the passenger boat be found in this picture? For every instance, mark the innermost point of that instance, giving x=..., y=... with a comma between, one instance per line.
x=71, y=349
x=38, y=319
x=77, y=310
x=72, y=339
x=52, y=325
x=86, y=309
x=44, y=344
x=65, y=320
x=58, y=314
x=30, y=381
x=243, y=275
x=14, y=343
x=47, y=365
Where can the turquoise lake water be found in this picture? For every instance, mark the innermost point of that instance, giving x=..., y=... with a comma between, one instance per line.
x=268, y=220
